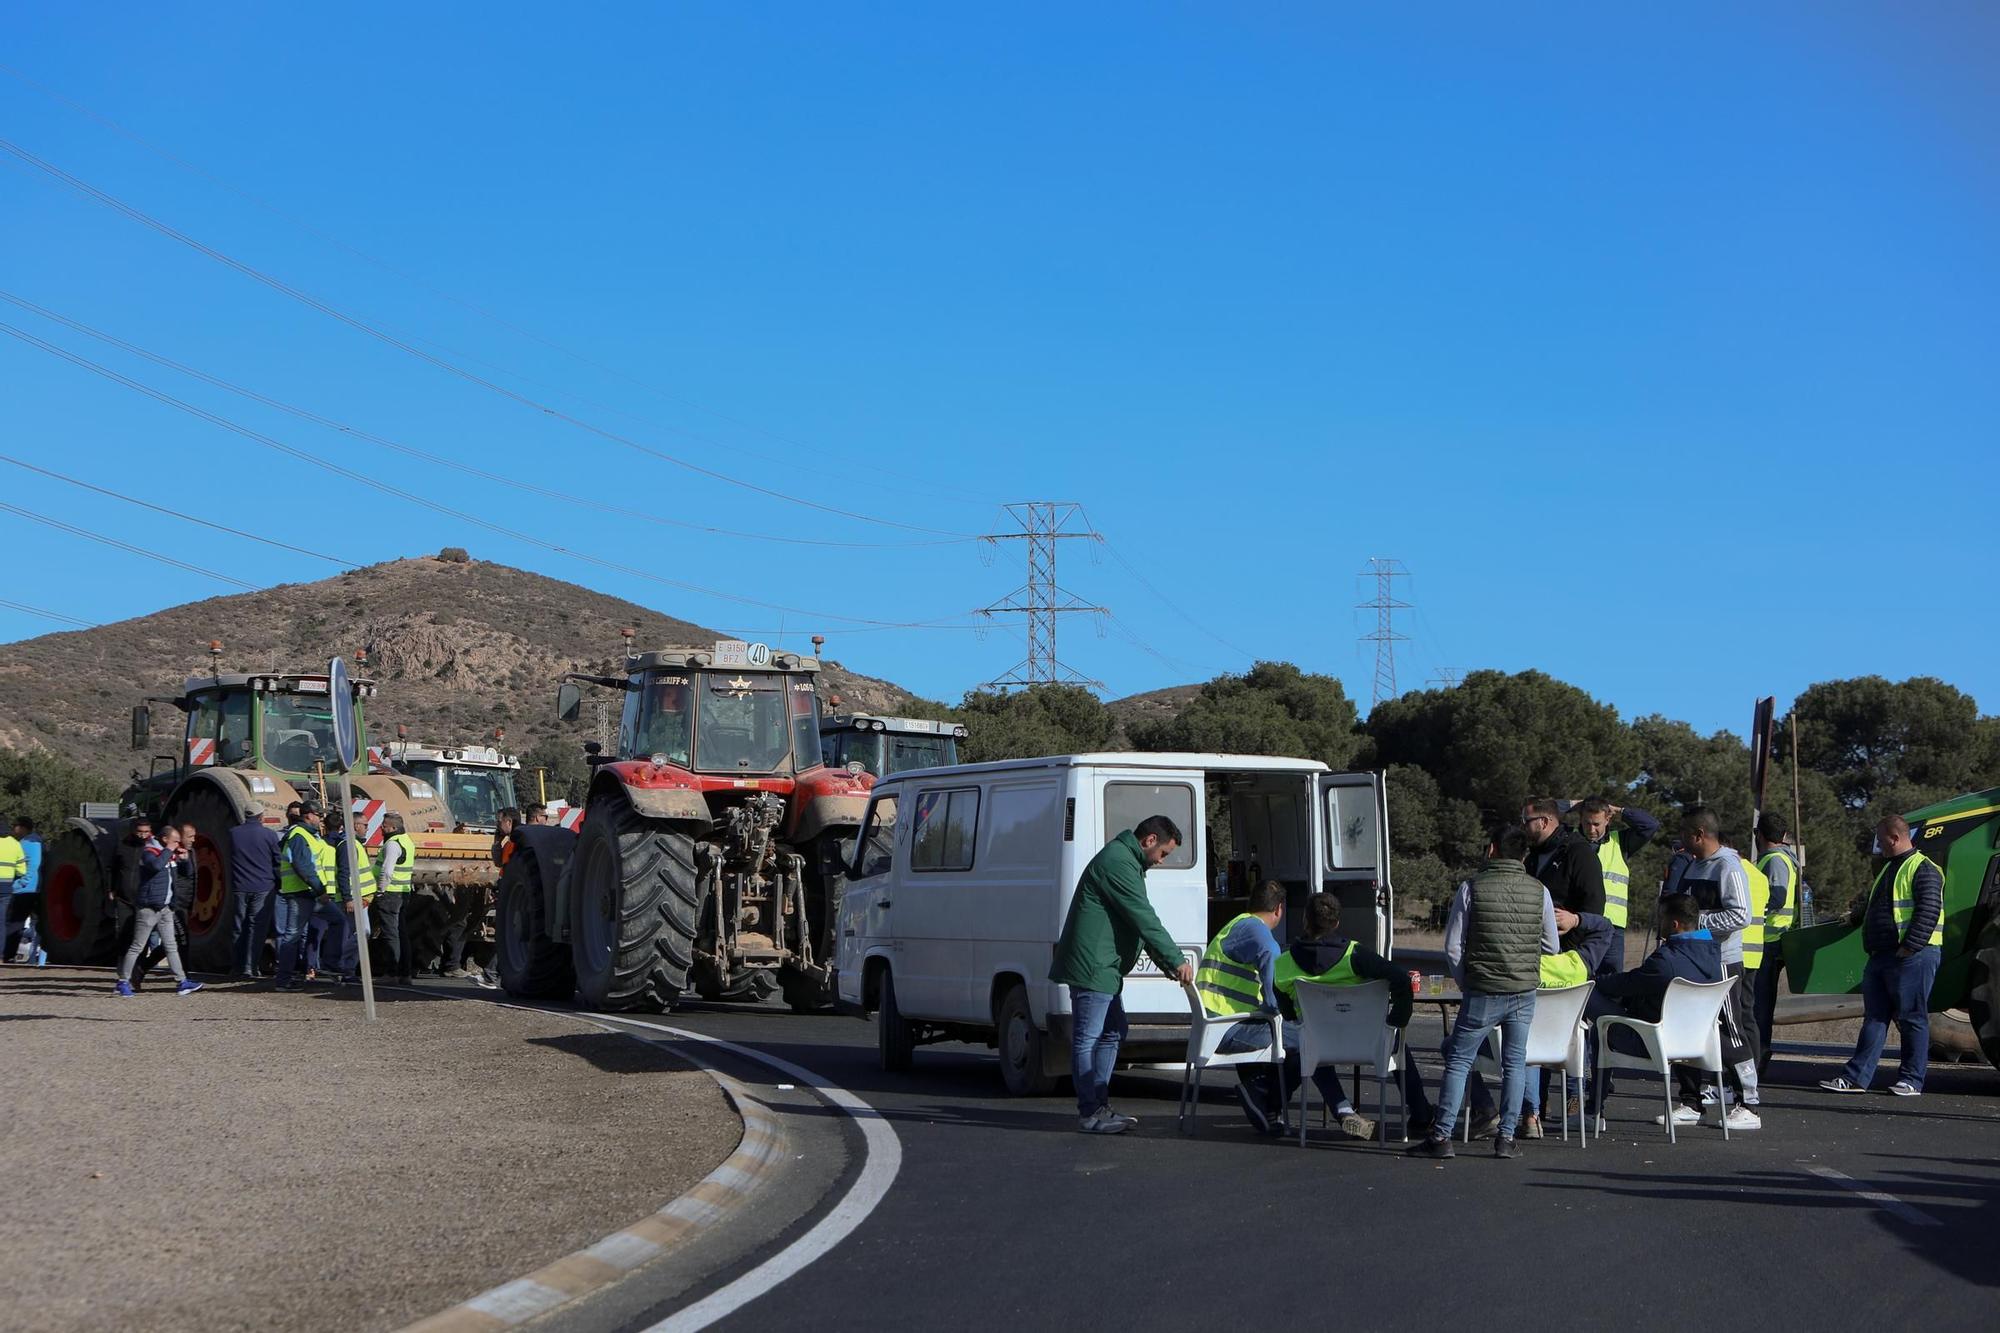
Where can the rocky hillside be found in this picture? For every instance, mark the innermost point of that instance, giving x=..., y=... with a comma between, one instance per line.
x=458, y=647
x=1152, y=706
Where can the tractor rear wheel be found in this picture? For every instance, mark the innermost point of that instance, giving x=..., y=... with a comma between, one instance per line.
x=78, y=924
x=532, y=965
x=633, y=897
x=212, y=917
x=1983, y=994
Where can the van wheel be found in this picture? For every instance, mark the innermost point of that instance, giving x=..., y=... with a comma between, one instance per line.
x=1021, y=1067
x=894, y=1037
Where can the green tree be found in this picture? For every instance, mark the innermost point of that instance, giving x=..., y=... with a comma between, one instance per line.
x=1042, y=719
x=47, y=789
x=567, y=774
x=1273, y=709
x=1920, y=738
x=1434, y=840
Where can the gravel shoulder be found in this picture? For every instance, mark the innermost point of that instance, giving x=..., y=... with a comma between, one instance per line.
x=244, y=1160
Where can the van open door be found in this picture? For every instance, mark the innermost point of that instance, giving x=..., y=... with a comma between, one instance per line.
x=1351, y=854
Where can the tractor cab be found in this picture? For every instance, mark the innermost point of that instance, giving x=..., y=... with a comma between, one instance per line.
x=733, y=711
x=476, y=782
x=276, y=722
x=885, y=745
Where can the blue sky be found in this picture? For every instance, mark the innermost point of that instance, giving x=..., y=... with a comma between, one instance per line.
x=1660, y=348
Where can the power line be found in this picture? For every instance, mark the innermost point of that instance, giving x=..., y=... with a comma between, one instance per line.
x=1385, y=572
x=305, y=456
x=416, y=281
x=1041, y=601
x=1171, y=605
x=175, y=513
x=360, y=325
x=411, y=451
x=47, y=615
x=88, y=535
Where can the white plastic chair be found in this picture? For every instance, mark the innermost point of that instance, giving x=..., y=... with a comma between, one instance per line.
x=1555, y=1041
x=1348, y=1025
x=1689, y=1032
x=1205, y=1034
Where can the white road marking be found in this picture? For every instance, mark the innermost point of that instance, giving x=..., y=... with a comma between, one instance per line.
x=1888, y=1203
x=883, y=1158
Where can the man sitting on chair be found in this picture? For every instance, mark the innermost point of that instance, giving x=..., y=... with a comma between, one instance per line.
x=1687, y=951
x=1327, y=957
x=1236, y=976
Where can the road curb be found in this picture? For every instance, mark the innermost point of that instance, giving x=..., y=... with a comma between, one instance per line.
x=720, y=1193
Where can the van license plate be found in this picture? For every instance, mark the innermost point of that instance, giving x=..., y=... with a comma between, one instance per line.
x=1148, y=968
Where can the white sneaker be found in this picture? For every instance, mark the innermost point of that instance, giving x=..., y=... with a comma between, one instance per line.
x=1101, y=1122
x=1904, y=1088
x=1683, y=1115
x=1124, y=1121
x=1708, y=1096
x=1742, y=1117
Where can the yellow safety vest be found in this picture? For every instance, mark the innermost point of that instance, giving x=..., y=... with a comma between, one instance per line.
x=289, y=880
x=1904, y=903
x=1227, y=986
x=1617, y=878
x=405, y=872
x=364, y=871
x=1753, y=934
x=1781, y=920
x=13, y=861
x=1560, y=970
x=1288, y=974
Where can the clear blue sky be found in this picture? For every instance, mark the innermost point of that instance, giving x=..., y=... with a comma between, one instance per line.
x=1660, y=347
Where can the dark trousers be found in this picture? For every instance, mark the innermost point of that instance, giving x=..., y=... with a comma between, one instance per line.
x=1766, y=1000
x=152, y=957
x=19, y=907
x=335, y=928
x=462, y=945
x=248, y=940
x=388, y=909
x=1739, y=1041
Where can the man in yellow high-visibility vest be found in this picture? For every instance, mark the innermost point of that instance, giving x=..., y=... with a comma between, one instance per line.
x=1902, y=927
x=1236, y=975
x=1779, y=861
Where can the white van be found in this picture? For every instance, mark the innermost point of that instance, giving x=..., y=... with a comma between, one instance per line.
x=963, y=875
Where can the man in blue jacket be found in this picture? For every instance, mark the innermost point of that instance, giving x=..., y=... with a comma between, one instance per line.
x=1687, y=950
x=254, y=852
x=26, y=898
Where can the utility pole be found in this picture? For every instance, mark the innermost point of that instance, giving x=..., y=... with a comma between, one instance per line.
x=1041, y=601
x=1385, y=572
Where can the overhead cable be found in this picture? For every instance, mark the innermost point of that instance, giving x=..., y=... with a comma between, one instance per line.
x=88, y=535
x=411, y=451
x=382, y=335
x=306, y=456
x=47, y=615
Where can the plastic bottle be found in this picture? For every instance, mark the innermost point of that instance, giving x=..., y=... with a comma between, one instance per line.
x=1256, y=869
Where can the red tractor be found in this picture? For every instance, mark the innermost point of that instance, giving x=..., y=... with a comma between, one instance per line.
x=713, y=847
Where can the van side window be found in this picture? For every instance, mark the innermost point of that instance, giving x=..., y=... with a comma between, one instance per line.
x=1128, y=804
x=942, y=829
x=876, y=852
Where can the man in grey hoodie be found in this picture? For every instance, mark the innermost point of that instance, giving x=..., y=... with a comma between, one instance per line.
x=1713, y=876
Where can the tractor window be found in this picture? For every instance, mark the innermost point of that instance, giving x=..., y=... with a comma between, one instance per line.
x=657, y=713
x=744, y=723
x=298, y=733
x=476, y=796
x=233, y=738
x=908, y=752
x=805, y=724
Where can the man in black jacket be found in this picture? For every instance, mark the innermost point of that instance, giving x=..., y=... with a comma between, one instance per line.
x=1902, y=927
x=1562, y=859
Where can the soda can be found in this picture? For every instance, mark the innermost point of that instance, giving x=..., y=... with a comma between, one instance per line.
x=1416, y=983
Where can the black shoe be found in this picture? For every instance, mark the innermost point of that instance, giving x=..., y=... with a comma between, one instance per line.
x=1431, y=1147
x=1503, y=1146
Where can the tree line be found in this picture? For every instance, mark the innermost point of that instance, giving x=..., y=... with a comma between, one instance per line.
x=1460, y=759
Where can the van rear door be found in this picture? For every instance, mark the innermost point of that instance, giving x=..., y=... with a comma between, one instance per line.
x=1176, y=887
x=1351, y=852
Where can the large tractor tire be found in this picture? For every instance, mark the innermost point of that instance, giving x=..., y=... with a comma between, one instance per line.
x=532, y=966
x=1982, y=1004
x=633, y=897
x=78, y=925
x=212, y=917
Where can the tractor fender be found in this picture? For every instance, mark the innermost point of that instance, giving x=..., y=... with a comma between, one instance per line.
x=820, y=814
x=676, y=803
x=235, y=787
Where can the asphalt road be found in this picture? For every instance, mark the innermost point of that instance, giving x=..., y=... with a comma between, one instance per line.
x=1003, y=1215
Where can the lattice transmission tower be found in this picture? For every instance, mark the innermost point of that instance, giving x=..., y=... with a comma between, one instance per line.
x=1041, y=601
x=1385, y=572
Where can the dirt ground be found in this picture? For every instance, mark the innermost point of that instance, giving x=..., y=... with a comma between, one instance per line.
x=244, y=1160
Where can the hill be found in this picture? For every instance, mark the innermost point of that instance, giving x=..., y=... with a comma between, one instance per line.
x=457, y=647
x=1151, y=706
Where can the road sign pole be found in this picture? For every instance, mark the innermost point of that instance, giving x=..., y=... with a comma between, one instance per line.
x=347, y=742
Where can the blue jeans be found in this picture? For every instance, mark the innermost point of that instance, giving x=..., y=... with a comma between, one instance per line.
x=249, y=911
x=336, y=930
x=1895, y=990
x=289, y=919
x=1097, y=1027
x=1511, y=1014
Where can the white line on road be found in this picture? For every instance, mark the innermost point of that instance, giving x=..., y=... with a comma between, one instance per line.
x=883, y=1158
x=1888, y=1203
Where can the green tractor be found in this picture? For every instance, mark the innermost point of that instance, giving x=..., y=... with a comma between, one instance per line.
x=1963, y=836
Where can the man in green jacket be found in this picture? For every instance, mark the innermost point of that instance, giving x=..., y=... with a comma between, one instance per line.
x=1110, y=921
